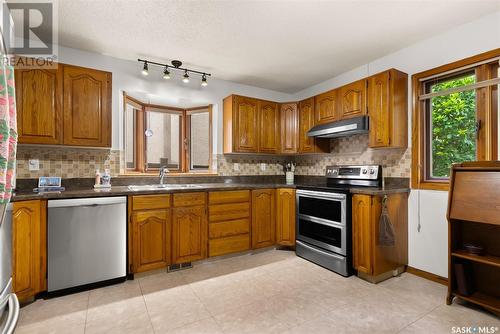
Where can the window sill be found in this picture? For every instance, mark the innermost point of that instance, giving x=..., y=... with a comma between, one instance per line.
x=442, y=186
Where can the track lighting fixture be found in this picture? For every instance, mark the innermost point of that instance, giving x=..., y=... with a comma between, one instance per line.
x=185, y=79
x=145, y=70
x=166, y=73
x=175, y=65
x=204, y=82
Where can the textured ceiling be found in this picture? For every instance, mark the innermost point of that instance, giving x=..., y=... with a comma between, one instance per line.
x=281, y=45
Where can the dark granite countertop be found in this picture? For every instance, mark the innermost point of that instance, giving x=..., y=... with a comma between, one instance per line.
x=82, y=191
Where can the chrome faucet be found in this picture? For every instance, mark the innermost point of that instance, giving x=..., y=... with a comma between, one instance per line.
x=163, y=170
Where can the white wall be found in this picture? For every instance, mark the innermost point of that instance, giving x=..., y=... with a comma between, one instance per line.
x=127, y=77
x=427, y=248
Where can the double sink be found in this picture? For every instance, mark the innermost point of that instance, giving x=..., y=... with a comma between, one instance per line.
x=148, y=187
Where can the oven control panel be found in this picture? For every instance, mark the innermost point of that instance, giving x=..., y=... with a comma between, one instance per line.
x=369, y=172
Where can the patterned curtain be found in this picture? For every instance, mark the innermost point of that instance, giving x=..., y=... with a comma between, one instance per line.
x=8, y=133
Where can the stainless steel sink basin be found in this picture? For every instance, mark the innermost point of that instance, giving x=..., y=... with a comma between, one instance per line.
x=146, y=187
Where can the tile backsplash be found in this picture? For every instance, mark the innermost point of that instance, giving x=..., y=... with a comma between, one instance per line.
x=82, y=162
x=66, y=162
x=354, y=150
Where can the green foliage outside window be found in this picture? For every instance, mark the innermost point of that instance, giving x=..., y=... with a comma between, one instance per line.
x=453, y=126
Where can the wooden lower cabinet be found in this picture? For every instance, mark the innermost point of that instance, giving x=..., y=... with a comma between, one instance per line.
x=229, y=222
x=189, y=228
x=150, y=228
x=151, y=239
x=263, y=218
x=285, y=217
x=372, y=260
x=29, y=248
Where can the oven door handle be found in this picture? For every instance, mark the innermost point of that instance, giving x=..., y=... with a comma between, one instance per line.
x=321, y=221
x=319, y=194
x=315, y=249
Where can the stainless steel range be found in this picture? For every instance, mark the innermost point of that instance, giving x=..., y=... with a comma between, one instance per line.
x=324, y=227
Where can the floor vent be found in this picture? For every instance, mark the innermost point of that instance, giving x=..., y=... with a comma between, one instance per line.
x=176, y=267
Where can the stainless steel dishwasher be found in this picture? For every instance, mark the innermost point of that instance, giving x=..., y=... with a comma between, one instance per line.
x=87, y=241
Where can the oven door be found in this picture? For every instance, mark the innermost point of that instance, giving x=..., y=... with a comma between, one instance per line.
x=321, y=219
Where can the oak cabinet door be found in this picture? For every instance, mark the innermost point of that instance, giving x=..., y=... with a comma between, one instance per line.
x=353, y=99
x=378, y=106
x=189, y=237
x=151, y=239
x=326, y=107
x=362, y=233
x=263, y=218
x=87, y=107
x=29, y=233
x=269, y=136
x=285, y=217
x=306, y=122
x=288, y=115
x=39, y=105
x=245, y=126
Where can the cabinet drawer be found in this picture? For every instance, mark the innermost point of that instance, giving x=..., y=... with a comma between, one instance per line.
x=235, y=196
x=228, y=211
x=228, y=228
x=189, y=199
x=228, y=245
x=146, y=202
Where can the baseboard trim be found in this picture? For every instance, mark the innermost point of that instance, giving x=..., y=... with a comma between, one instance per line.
x=427, y=275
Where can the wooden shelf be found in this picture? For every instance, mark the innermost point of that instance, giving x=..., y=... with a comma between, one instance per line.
x=485, y=259
x=487, y=301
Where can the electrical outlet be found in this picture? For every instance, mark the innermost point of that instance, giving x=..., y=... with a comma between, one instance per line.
x=263, y=166
x=33, y=164
x=236, y=166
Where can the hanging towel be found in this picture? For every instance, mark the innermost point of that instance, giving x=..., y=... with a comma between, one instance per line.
x=386, y=235
x=8, y=133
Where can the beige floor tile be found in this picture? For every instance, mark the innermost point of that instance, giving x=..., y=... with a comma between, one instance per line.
x=115, y=293
x=421, y=290
x=128, y=315
x=205, y=326
x=70, y=307
x=173, y=308
x=378, y=312
x=252, y=318
x=322, y=325
x=443, y=318
x=71, y=322
x=270, y=291
x=161, y=281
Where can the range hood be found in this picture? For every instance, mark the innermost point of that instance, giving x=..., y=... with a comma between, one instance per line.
x=346, y=127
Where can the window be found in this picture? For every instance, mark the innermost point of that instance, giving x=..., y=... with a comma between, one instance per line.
x=157, y=136
x=455, y=118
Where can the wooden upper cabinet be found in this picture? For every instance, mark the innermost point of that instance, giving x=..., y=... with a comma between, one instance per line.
x=241, y=124
x=288, y=115
x=362, y=233
x=263, y=218
x=39, y=106
x=306, y=122
x=29, y=251
x=388, y=109
x=87, y=107
x=326, y=107
x=269, y=128
x=285, y=217
x=353, y=99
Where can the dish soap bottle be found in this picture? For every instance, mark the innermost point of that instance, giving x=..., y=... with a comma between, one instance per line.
x=106, y=179
x=97, y=182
